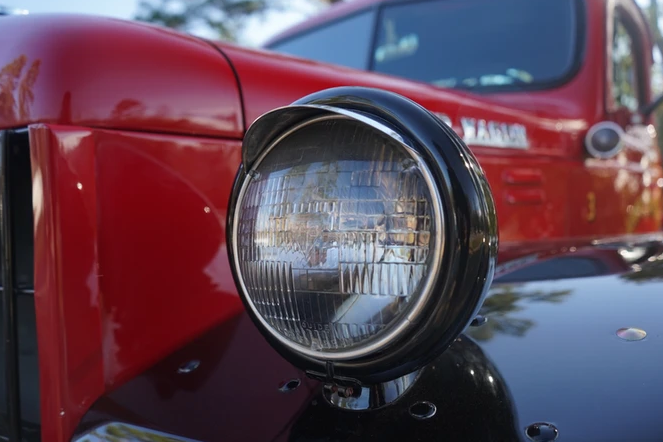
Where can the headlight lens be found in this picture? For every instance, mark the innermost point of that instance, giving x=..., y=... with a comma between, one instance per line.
x=337, y=235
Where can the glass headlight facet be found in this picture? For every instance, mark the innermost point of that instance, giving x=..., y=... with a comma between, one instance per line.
x=338, y=232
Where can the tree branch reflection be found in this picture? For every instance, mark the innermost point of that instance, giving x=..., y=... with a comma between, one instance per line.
x=503, y=302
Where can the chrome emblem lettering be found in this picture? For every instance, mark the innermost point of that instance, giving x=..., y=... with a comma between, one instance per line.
x=494, y=133
x=469, y=128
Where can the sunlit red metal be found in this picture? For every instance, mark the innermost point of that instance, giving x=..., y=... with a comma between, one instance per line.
x=130, y=259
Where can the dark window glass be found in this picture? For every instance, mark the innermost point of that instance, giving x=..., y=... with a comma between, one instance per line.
x=624, y=69
x=478, y=44
x=345, y=42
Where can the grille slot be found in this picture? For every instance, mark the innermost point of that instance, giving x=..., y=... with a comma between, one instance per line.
x=19, y=370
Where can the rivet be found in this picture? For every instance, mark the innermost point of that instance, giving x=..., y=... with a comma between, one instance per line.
x=290, y=385
x=631, y=334
x=478, y=321
x=189, y=366
x=541, y=432
x=423, y=410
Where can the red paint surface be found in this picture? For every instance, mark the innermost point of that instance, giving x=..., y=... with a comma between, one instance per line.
x=104, y=72
x=67, y=300
x=130, y=259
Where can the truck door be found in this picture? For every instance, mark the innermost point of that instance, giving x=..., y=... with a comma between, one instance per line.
x=623, y=193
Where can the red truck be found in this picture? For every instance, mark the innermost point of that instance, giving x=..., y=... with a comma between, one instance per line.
x=160, y=283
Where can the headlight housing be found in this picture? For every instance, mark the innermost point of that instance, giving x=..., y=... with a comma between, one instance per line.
x=362, y=234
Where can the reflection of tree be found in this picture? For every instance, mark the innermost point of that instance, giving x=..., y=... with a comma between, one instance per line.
x=653, y=14
x=127, y=109
x=9, y=76
x=505, y=300
x=25, y=94
x=623, y=68
x=16, y=86
x=649, y=272
x=225, y=18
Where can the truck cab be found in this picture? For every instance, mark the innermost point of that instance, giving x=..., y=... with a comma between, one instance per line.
x=565, y=66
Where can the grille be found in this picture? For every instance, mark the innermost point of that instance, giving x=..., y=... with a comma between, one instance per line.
x=19, y=368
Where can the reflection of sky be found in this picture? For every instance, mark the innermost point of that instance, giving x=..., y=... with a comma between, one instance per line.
x=114, y=8
x=257, y=30
x=572, y=351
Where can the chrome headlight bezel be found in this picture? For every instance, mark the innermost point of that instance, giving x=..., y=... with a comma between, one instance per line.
x=466, y=242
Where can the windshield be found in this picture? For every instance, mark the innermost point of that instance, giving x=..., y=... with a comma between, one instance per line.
x=478, y=44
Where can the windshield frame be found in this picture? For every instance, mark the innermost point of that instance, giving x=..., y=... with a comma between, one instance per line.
x=579, y=51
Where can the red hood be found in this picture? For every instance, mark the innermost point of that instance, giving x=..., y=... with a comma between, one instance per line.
x=103, y=72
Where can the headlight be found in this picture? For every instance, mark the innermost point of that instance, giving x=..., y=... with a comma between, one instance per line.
x=362, y=234
x=337, y=229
